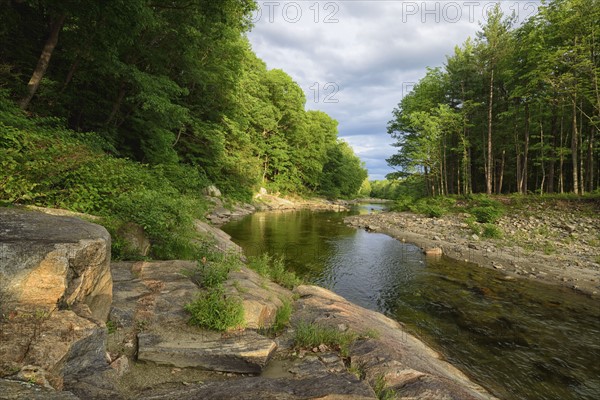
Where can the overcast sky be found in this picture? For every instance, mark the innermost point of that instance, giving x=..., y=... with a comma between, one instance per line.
x=355, y=59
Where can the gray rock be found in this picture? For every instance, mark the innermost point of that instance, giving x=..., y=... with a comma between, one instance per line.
x=247, y=352
x=48, y=261
x=62, y=344
x=222, y=240
x=212, y=191
x=343, y=386
x=14, y=390
x=260, y=297
x=151, y=292
x=135, y=238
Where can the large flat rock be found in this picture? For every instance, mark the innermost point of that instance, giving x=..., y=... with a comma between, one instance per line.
x=314, y=381
x=246, y=352
x=411, y=368
x=47, y=262
x=151, y=292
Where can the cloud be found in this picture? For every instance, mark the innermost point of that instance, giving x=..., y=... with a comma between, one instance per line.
x=356, y=59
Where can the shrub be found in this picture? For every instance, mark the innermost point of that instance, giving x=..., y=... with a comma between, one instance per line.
x=213, y=310
x=47, y=165
x=433, y=207
x=491, y=231
x=402, y=204
x=487, y=214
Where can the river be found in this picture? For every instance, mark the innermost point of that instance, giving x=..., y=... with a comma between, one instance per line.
x=519, y=339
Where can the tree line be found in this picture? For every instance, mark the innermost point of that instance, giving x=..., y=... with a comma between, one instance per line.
x=172, y=83
x=517, y=109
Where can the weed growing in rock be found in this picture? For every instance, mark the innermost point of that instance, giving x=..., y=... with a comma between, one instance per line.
x=215, y=310
x=282, y=317
x=549, y=248
x=382, y=392
x=312, y=335
x=358, y=369
x=214, y=273
x=274, y=269
x=111, y=327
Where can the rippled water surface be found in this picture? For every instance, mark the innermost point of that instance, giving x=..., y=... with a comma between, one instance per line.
x=520, y=339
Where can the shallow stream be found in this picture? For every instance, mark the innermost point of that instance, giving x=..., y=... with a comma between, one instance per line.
x=520, y=339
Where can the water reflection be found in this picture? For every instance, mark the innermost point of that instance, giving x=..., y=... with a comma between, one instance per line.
x=520, y=339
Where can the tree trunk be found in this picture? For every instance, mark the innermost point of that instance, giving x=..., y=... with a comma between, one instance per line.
x=552, y=166
x=561, y=177
x=117, y=104
x=574, y=142
x=490, y=161
x=590, y=161
x=542, y=155
x=581, y=147
x=44, y=60
x=501, y=177
x=70, y=74
x=517, y=155
x=524, y=173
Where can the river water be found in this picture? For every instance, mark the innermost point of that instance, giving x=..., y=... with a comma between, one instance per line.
x=519, y=339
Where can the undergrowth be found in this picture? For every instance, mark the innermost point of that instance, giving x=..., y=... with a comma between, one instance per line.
x=47, y=165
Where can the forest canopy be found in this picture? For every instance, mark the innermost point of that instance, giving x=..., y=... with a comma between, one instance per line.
x=517, y=109
x=171, y=84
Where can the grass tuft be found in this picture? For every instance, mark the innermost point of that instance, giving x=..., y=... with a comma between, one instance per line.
x=215, y=310
x=274, y=269
x=282, y=317
x=312, y=335
x=382, y=392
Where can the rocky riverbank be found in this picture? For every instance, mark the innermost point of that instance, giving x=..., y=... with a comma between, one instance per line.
x=554, y=242
x=222, y=212
x=58, y=344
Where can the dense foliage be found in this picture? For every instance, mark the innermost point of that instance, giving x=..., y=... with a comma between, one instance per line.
x=515, y=110
x=174, y=85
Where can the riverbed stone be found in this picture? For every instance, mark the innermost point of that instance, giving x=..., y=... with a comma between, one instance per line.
x=434, y=252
